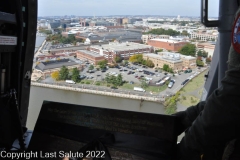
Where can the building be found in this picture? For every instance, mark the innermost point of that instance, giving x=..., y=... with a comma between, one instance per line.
x=147, y=37
x=189, y=61
x=89, y=56
x=119, y=21
x=66, y=50
x=118, y=35
x=208, y=47
x=100, y=23
x=125, y=21
x=124, y=50
x=167, y=44
x=47, y=68
x=203, y=36
x=175, y=61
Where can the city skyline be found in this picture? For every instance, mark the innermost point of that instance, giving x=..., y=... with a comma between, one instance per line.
x=133, y=7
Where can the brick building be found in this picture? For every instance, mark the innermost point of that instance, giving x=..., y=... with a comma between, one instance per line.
x=167, y=44
x=124, y=50
x=89, y=56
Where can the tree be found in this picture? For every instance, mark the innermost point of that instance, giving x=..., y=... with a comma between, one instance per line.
x=136, y=58
x=204, y=54
x=209, y=59
x=144, y=84
x=55, y=75
x=165, y=67
x=91, y=67
x=149, y=63
x=118, y=59
x=75, y=75
x=114, y=80
x=159, y=50
x=185, y=33
x=102, y=64
x=161, y=31
x=188, y=49
x=200, y=53
x=119, y=80
x=199, y=63
x=125, y=62
x=63, y=73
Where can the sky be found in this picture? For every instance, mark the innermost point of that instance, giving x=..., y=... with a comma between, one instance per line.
x=124, y=7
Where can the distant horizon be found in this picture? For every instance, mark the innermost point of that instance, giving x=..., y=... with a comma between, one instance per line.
x=123, y=16
x=106, y=8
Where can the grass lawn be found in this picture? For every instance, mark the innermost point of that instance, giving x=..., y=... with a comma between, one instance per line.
x=191, y=93
x=85, y=81
x=128, y=86
x=154, y=89
x=188, y=100
x=157, y=89
x=195, y=83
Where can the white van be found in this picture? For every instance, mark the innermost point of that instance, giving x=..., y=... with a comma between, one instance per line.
x=70, y=81
x=138, y=89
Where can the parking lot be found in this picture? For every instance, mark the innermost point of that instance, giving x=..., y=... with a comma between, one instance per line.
x=138, y=72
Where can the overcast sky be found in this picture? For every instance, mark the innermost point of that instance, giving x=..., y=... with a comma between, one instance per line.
x=123, y=7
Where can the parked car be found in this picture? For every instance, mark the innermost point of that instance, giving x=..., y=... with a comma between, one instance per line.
x=170, y=84
x=185, y=81
x=131, y=82
x=82, y=76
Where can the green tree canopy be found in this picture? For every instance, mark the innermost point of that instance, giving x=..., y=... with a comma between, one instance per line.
x=159, y=50
x=188, y=49
x=91, y=67
x=102, y=64
x=144, y=83
x=202, y=53
x=63, y=73
x=118, y=59
x=149, y=63
x=161, y=31
x=114, y=80
x=75, y=75
x=199, y=63
x=167, y=68
x=185, y=33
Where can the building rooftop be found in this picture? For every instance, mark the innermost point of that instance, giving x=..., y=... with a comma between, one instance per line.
x=188, y=57
x=164, y=57
x=90, y=53
x=121, y=46
x=55, y=64
x=165, y=40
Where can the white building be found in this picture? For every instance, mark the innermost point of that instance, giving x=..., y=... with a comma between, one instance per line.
x=204, y=36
